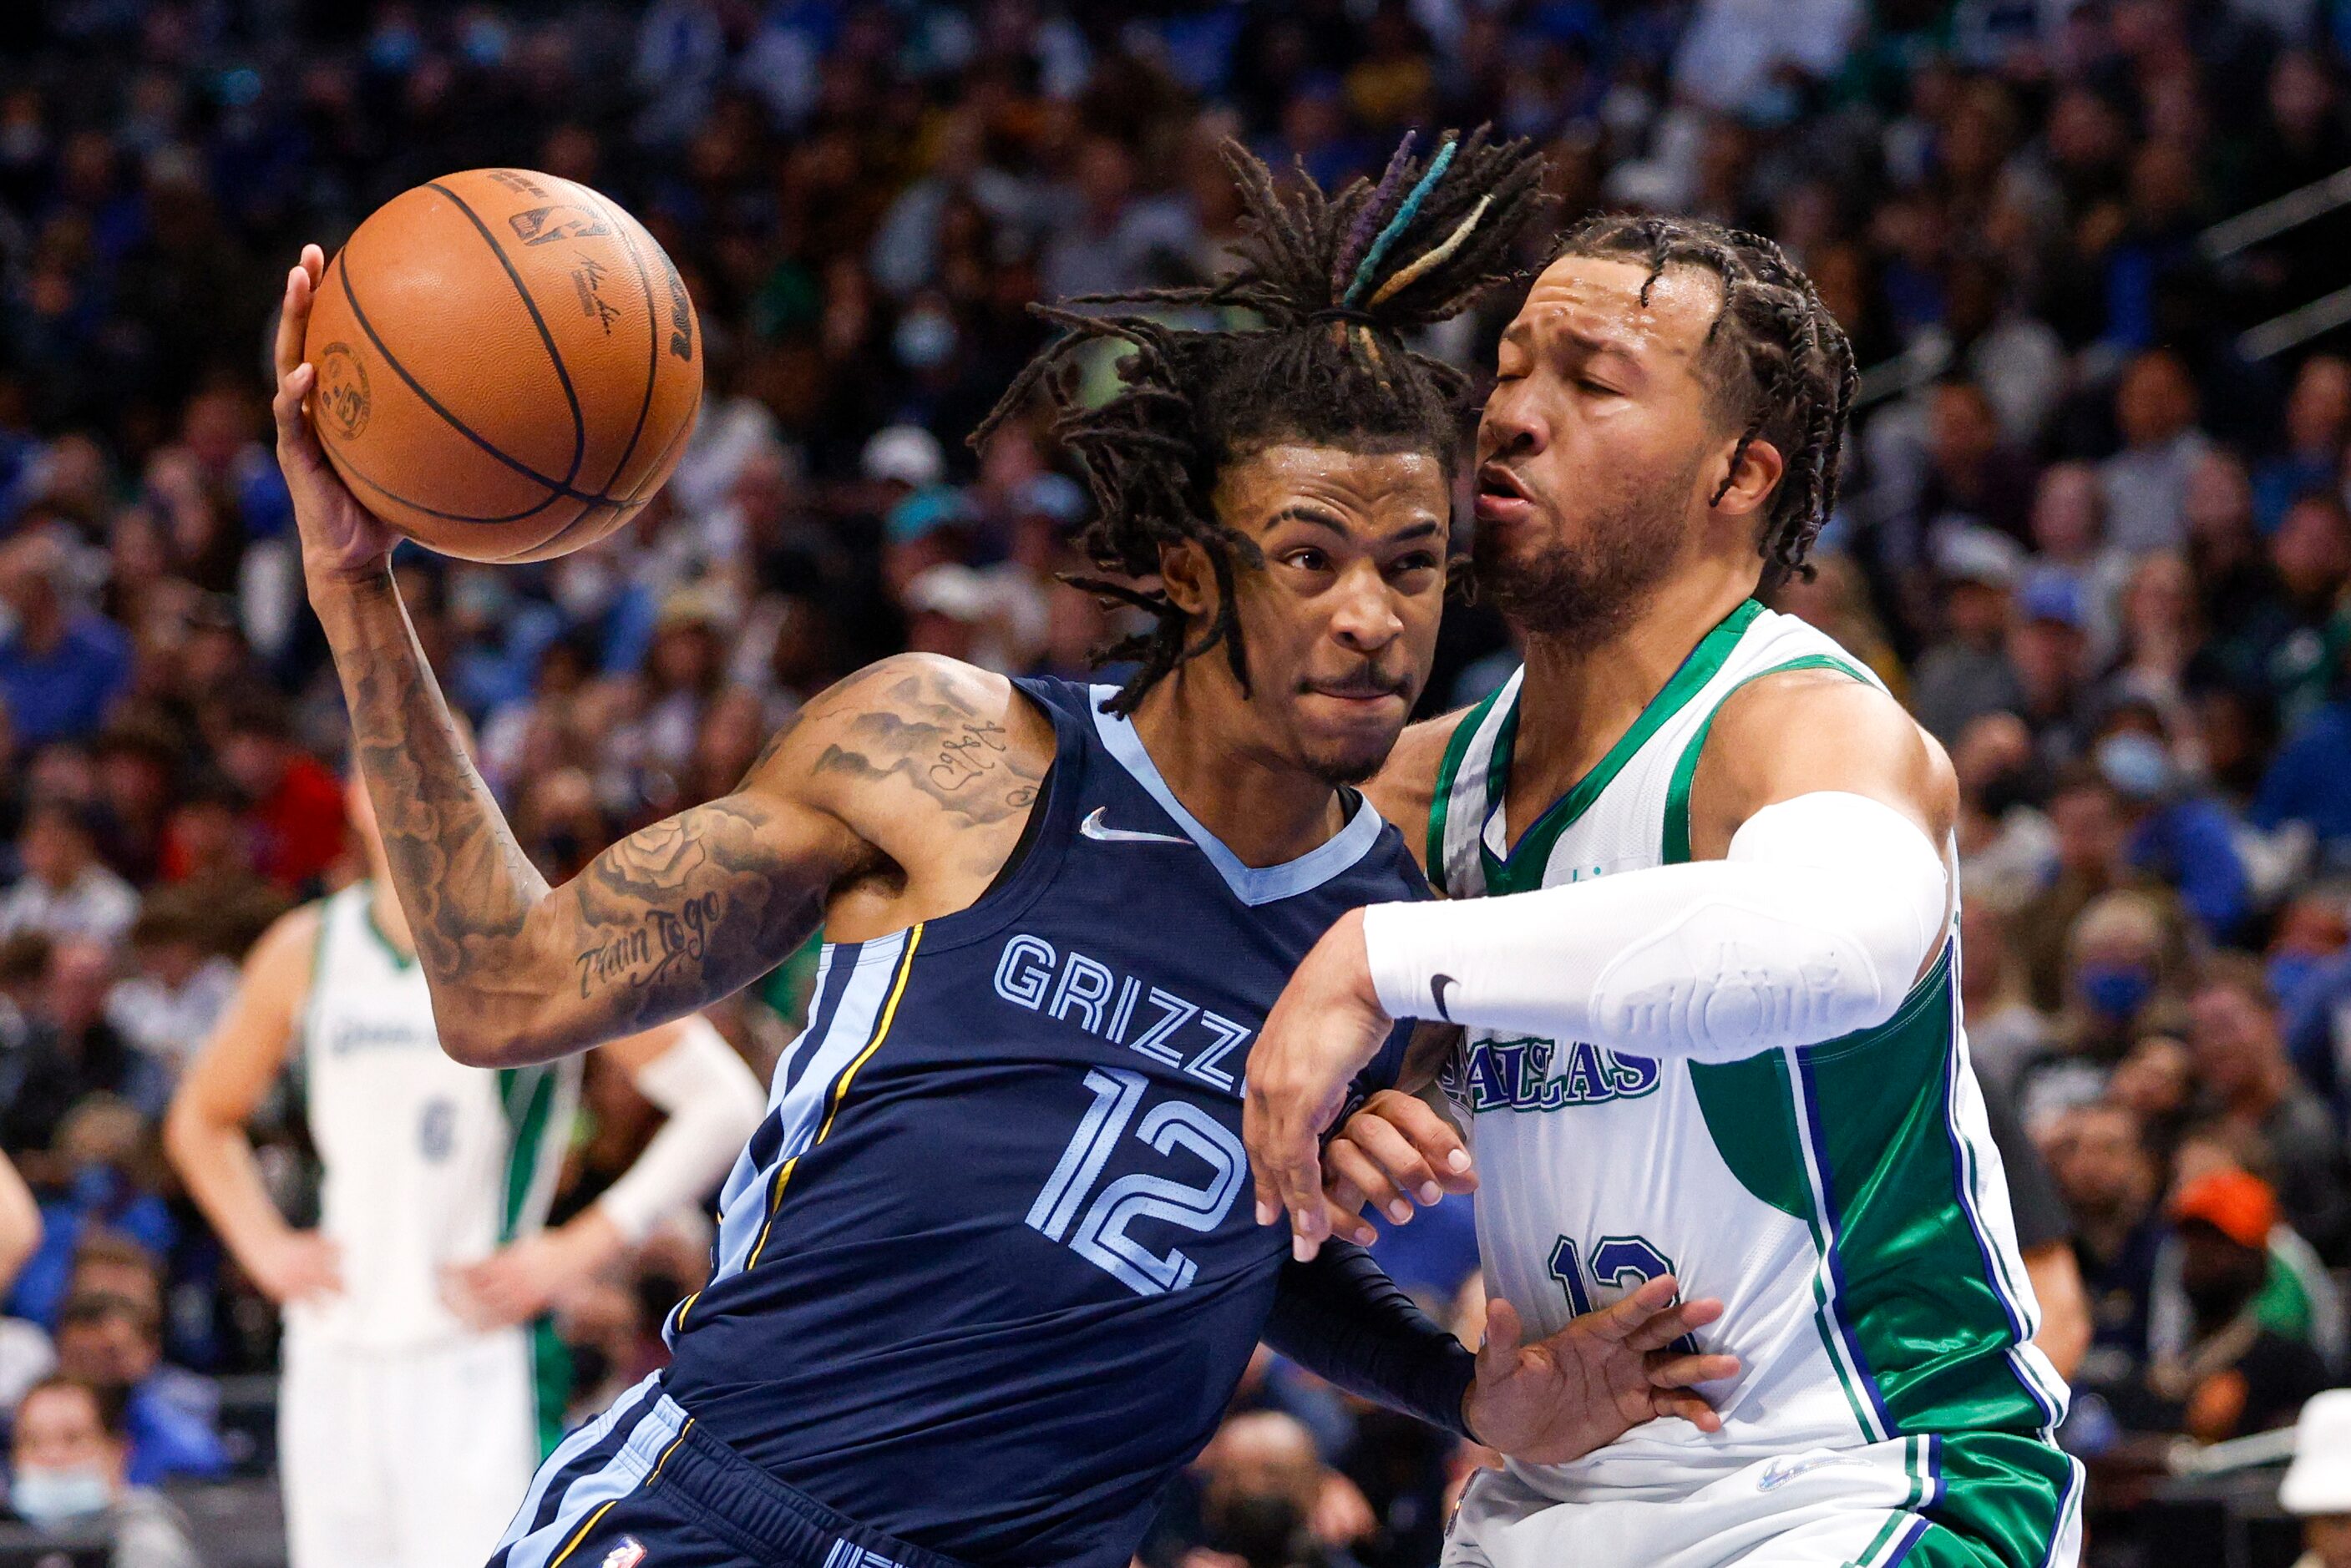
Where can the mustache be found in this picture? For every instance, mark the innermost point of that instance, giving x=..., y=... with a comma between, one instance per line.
x=1366, y=682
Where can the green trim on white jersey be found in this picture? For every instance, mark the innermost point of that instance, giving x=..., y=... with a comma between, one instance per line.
x=1918, y=1321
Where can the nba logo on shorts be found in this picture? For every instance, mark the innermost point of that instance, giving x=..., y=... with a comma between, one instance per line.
x=627, y=1554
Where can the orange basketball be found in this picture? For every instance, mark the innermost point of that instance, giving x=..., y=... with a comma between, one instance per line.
x=507, y=363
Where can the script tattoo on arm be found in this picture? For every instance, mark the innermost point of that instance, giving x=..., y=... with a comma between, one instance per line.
x=677, y=915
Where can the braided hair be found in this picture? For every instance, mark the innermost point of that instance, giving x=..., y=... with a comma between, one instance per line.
x=1778, y=365
x=1333, y=280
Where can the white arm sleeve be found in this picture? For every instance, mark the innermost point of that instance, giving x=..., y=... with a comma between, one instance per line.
x=1814, y=927
x=713, y=1105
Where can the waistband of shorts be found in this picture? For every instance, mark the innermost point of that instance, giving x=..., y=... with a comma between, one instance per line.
x=771, y=1519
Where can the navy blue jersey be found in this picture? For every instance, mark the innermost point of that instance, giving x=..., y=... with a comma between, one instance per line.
x=989, y=1271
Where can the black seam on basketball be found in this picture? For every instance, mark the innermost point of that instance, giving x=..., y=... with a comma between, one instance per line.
x=543, y=549
x=344, y=459
x=684, y=429
x=652, y=335
x=350, y=298
x=579, y=421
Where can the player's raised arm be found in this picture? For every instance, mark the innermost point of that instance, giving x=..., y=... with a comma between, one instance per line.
x=1816, y=897
x=897, y=764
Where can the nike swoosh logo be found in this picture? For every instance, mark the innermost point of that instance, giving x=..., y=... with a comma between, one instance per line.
x=1437, y=984
x=1092, y=828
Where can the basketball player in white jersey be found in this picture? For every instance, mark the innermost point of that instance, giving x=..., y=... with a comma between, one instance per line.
x=423, y=1381
x=1701, y=934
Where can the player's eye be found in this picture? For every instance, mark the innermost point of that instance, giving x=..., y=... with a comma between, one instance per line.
x=1417, y=560
x=1307, y=558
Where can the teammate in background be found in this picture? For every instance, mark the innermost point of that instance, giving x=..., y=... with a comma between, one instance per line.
x=1702, y=935
x=422, y=1382
x=984, y=1281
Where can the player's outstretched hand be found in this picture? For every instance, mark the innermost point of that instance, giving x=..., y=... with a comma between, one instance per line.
x=1324, y=1028
x=298, y=1266
x=1604, y=1374
x=1394, y=1152
x=342, y=541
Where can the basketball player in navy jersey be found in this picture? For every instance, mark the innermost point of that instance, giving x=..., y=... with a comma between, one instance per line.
x=983, y=1278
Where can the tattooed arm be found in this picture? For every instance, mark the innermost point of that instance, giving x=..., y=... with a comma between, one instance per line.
x=893, y=797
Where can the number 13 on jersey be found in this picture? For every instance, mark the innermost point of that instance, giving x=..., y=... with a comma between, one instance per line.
x=1624, y=1263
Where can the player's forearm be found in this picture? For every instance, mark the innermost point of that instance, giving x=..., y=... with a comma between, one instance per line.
x=1342, y=1318
x=216, y=1163
x=1814, y=927
x=468, y=889
x=669, y=919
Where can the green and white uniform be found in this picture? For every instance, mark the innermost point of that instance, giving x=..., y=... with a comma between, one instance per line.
x=408, y=1437
x=1844, y=1200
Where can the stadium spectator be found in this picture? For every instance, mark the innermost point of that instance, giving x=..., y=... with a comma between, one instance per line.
x=114, y=1344
x=2109, y=1180
x=2156, y=407
x=2317, y=423
x=66, y=891
x=2252, y=1088
x=166, y=1007
x=60, y=665
x=2233, y=1374
x=70, y=1468
x=2069, y=545
x=2179, y=834
x=294, y=815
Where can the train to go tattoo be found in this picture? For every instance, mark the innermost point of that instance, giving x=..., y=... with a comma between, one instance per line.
x=666, y=939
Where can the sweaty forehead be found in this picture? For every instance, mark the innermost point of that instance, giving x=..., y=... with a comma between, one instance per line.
x=1385, y=488
x=1598, y=299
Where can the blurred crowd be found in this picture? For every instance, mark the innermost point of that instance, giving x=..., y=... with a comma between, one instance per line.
x=2092, y=531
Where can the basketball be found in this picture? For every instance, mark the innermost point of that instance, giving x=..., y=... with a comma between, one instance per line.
x=507, y=365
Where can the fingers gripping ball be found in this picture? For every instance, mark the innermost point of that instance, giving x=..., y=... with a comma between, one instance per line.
x=507, y=365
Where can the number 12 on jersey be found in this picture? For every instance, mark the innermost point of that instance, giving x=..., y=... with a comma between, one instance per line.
x=1100, y=1235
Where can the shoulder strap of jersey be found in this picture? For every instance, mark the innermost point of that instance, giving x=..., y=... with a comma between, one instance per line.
x=1456, y=810
x=1676, y=848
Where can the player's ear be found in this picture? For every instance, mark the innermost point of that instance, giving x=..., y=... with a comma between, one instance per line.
x=1743, y=488
x=1190, y=581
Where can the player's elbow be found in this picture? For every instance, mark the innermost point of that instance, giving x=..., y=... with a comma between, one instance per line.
x=468, y=1049
x=187, y=1124
x=475, y=1036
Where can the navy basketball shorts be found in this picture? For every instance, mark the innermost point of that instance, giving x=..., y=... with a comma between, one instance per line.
x=641, y=1484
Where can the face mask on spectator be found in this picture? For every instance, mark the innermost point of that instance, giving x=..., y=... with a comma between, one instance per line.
x=46, y=1497
x=2135, y=764
x=925, y=339
x=97, y=1186
x=2115, y=992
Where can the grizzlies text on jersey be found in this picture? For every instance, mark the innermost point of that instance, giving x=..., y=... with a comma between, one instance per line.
x=989, y=1273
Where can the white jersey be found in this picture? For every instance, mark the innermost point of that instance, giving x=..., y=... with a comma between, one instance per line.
x=1843, y=1200
x=428, y=1164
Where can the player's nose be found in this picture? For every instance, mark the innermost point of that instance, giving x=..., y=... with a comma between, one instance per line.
x=1364, y=612
x=1512, y=424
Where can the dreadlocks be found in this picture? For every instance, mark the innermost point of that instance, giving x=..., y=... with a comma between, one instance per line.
x=1334, y=280
x=1779, y=368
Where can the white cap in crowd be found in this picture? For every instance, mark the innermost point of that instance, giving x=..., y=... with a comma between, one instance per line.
x=2319, y=1480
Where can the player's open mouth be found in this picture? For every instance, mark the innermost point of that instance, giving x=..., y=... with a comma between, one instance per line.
x=1502, y=498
